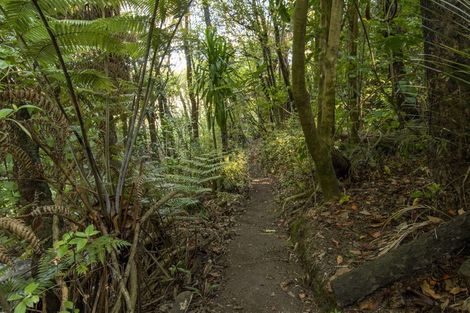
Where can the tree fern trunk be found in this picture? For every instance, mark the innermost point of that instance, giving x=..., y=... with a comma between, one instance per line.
x=447, y=66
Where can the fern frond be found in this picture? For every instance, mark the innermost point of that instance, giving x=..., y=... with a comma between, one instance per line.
x=20, y=230
x=209, y=179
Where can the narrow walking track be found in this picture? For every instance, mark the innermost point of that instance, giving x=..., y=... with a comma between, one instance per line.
x=262, y=275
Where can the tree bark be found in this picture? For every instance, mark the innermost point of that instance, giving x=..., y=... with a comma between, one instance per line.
x=354, y=94
x=31, y=186
x=402, y=262
x=189, y=80
x=331, y=16
x=448, y=81
x=318, y=148
x=207, y=13
x=151, y=119
x=283, y=65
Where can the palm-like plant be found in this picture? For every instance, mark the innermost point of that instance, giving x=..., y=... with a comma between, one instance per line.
x=215, y=81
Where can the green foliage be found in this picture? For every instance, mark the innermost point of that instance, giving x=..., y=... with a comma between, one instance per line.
x=235, y=176
x=77, y=252
x=430, y=192
x=215, y=77
x=27, y=298
x=284, y=154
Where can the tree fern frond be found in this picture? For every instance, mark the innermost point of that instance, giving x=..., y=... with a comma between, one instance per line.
x=4, y=256
x=20, y=230
x=26, y=165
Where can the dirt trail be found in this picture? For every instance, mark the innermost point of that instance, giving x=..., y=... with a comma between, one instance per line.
x=262, y=274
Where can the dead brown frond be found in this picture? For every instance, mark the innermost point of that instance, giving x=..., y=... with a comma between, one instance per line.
x=138, y=191
x=26, y=166
x=50, y=210
x=19, y=229
x=402, y=232
x=422, y=221
x=31, y=95
x=4, y=257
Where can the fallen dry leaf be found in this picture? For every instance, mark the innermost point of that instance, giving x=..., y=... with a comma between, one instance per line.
x=376, y=234
x=428, y=291
x=285, y=285
x=339, y=259
x=461, y=212
x=435, y=220
x=340, y=271
x=368, y=304
x=456, y=290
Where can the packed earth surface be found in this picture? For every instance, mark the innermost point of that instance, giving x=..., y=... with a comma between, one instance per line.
x=262, y=273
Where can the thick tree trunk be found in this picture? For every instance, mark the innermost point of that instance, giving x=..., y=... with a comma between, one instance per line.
x=30, y=177
x=31, y=186
x=319, y=149
x=402, y=262
x=448, y=81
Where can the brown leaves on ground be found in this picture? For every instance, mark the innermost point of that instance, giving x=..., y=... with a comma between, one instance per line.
x=378, y=214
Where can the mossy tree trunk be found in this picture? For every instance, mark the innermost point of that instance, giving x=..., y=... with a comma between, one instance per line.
x=319, y=139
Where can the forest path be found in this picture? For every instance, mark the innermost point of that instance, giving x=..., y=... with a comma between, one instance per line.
x=262, y=275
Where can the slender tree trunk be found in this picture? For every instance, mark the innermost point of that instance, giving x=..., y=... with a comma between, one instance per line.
x=260, y=24
x=331, y=16
x=283, y=66
x=207, y=13
x=167, y=134
x=189, y=80
x=224, y=134
x=319, y=149
x=354, y=95
x=397, y=70
x=151, y=120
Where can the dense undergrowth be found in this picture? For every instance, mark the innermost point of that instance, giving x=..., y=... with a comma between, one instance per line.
x=179, y=252
x=388, y=198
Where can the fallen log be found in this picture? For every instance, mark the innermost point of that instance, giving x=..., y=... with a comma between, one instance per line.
x=403, y=261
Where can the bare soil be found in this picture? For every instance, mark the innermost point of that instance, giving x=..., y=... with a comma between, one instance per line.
x=262, y=274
